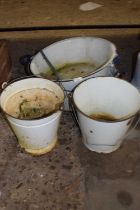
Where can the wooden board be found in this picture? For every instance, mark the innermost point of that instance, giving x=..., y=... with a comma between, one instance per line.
x=41, y=13
x=5, y=62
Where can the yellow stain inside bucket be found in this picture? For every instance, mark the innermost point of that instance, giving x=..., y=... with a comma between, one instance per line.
x=71, y=70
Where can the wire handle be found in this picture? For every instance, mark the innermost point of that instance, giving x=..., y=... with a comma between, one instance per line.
x=69, y=96
x=73, y=111
x=53, y=69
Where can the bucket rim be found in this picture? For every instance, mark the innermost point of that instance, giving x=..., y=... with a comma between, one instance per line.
x=25, y=78
x=100, y=68
x=137, y=114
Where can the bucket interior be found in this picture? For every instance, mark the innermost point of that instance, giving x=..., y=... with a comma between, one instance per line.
x=109, y=96
x=29, y=84
x=91, y=50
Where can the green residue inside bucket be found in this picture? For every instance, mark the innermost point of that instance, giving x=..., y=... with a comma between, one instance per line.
x=71, y=70
x=33, y=103
x=27, y=111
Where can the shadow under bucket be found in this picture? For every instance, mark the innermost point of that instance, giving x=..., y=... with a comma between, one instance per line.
x=32, y=107
x=107, y=109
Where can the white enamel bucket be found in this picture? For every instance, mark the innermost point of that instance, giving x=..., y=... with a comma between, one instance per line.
x=94, y=50
x=36, y=136
x=107, y=96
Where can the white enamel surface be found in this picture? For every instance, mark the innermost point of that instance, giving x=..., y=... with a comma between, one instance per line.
x=107, y=95
x=85, y=49
x=35, y=134
x=102, y=136
x=80, y=49
x=111, y=96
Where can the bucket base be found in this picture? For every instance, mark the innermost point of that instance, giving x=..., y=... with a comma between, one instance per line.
x=42, y=151
x=102, y=149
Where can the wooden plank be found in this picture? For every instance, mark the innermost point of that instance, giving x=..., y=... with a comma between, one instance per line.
x=41, y=13
x=5, y=62
x=54, y=35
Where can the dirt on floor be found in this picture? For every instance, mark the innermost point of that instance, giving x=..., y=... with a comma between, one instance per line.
x=70, y=176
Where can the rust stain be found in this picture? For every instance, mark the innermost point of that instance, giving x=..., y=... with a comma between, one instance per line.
x=129, y=122
x=102, y=116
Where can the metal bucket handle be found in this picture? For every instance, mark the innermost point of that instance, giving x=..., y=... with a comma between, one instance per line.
x=25, y=60
x=73, y=111
x=68, y=95
x=134, y=124
x=6, y=83
x=113, y=70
